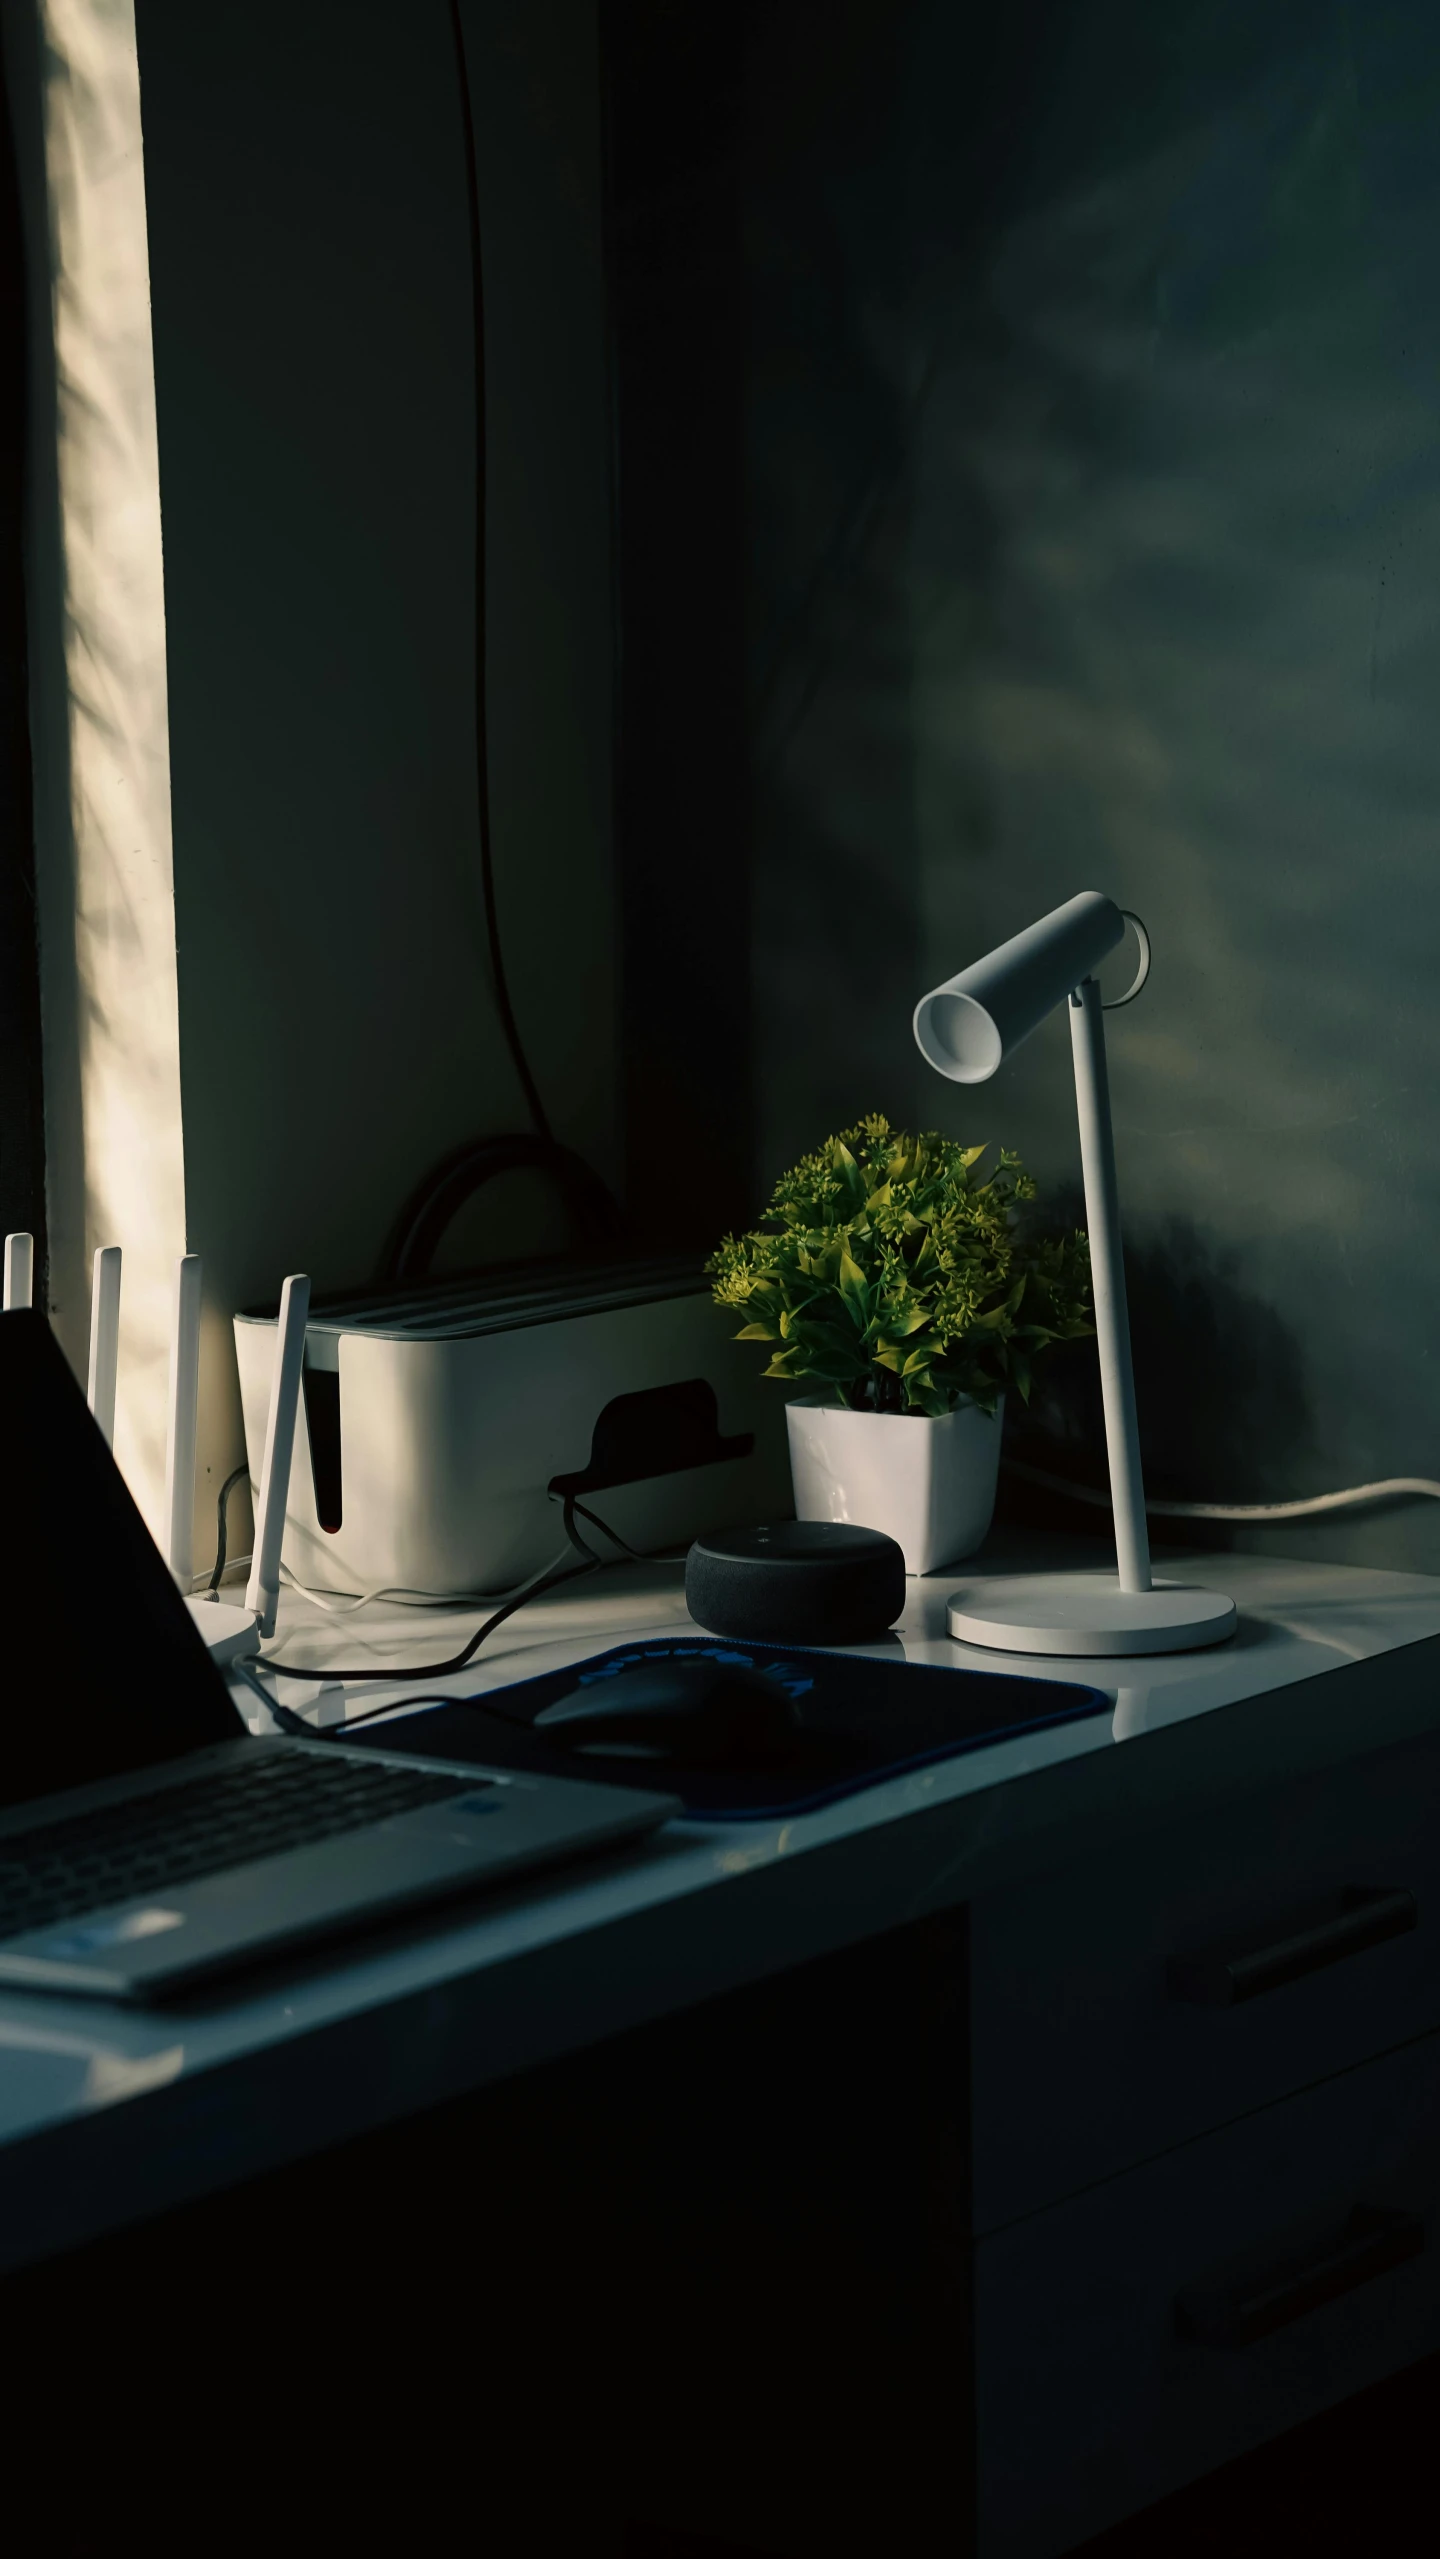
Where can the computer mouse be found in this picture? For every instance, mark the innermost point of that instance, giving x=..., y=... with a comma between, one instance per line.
x=707, y=1713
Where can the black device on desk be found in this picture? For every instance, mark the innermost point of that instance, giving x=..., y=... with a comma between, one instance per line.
x=147, y=1838
x=796, y=1581
x=704, y=1711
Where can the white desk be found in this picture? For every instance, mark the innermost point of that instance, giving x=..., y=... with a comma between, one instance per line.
x=107, y=2117
x=915, y=1843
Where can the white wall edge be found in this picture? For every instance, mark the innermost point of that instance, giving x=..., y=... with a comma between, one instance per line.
x=105, y=887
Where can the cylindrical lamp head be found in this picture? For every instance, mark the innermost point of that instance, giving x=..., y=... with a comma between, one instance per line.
x=968, y=1026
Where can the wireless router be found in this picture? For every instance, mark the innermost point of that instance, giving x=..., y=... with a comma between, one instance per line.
x=228, y=1632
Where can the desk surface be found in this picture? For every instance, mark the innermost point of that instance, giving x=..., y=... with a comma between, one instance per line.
x=106, y=2115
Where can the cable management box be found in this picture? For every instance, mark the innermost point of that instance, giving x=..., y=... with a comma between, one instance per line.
x=441, y=1423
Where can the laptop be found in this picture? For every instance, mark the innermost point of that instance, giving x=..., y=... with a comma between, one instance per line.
x=149, y=1840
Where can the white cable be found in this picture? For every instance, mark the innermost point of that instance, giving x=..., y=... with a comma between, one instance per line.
x=235, y=1565
x=346, y=1603
x=537, y=1582
x=1393, y=1488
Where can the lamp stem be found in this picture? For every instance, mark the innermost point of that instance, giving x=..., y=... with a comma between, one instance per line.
x=1107, y=1272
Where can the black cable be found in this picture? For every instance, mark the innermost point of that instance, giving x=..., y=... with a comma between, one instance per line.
x=636, y=1554
x=570, y=1507
x=285, y=1716
x=399, y=1705
x=290, y=1722
x=226, y=1489
x=594, y=1215
x=548, y=1580
x=508, y=1023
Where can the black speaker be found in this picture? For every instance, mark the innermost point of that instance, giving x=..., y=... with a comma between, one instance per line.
x=798, y=1581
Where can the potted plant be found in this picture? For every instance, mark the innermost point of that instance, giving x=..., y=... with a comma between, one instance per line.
x=890, y=1271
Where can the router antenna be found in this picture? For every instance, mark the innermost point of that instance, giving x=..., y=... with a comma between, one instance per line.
x=184, y=1406
x=263, y=1592
x=104, y=1338
x=19, y=1271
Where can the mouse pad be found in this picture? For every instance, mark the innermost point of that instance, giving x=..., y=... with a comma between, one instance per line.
x=855, y=1719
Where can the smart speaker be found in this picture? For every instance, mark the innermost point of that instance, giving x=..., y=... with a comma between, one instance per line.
x=795, y=1581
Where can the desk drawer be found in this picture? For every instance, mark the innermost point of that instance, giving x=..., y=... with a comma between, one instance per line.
x=1087, y=2054
x=1091, y=2402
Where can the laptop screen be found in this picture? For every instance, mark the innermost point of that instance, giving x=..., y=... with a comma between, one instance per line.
x=103, y=1670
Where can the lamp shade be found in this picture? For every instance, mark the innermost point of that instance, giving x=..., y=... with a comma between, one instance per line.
x=966, y=1028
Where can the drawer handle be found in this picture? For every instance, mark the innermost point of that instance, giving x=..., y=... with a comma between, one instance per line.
x=1370, y=2244
x=1361, y=1916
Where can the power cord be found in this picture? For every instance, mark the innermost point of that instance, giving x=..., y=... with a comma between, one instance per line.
x=222, y=1506
x=1393, y=1488
x=284, y=1716
x=506, y=1009
x=440, y=1698
x=550, y=1577
x=593, y=1213
x=349, y=1603
x=633, y=1554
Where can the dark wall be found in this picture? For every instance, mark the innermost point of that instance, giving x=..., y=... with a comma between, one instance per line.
x=314, y=364
x=673, y=85
x=1092, y=511
x=315, y=393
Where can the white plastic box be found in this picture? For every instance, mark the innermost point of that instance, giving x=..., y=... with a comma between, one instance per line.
x=435, y=1419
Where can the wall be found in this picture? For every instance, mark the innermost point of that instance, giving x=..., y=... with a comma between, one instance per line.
x=310, y=306
x=22, y=1122
x=95, y=609
x=313, y=358
x=675, y=93
x=1094, y=498
x=1075, y=529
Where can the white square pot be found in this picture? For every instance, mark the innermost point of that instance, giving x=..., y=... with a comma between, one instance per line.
x=928, y=1484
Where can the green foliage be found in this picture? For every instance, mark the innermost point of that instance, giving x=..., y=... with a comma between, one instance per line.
x=890, y=1270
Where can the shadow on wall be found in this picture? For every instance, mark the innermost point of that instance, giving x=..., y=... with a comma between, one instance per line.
x=1200, y=413
x=1219, y=1383
x=1138, y=595
x=1227, y=1414
x=834, y=392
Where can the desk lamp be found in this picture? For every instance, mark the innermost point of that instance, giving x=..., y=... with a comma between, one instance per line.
x=966, y=1029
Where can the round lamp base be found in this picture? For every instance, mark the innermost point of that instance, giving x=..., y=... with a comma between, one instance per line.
x=1076, y=1613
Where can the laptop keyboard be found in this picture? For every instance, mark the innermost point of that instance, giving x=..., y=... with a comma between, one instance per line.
x=230, y=1815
